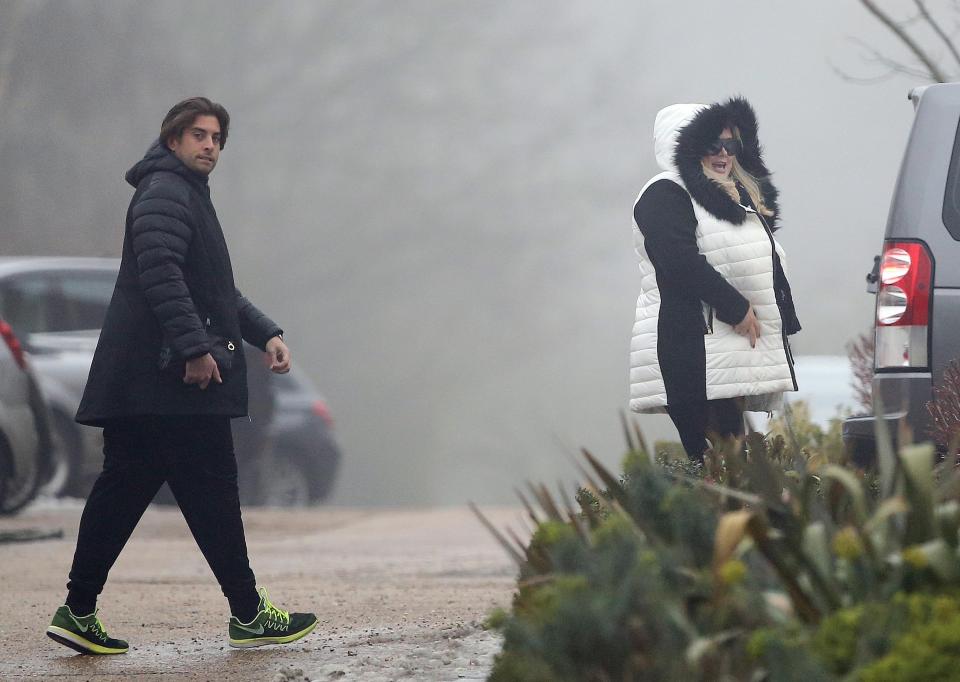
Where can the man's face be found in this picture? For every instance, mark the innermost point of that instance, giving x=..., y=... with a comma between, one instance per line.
x=199, y=145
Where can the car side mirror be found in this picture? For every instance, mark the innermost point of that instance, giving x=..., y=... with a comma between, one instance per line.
x=873, y=276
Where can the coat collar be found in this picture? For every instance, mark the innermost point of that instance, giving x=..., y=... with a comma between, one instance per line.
x=159, y=158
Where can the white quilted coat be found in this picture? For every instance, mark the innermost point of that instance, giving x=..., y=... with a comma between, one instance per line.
x=743, y=254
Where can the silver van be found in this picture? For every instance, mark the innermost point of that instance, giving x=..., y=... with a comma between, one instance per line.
x=916, y=279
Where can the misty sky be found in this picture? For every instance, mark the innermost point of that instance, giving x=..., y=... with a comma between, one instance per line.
x=434, y=198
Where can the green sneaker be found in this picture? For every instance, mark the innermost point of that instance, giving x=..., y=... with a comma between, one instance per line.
x=83, y=633
x=271, y=626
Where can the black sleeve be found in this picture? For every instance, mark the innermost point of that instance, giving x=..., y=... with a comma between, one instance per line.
x=162, y=231
x=665, y=216
x=255, y=327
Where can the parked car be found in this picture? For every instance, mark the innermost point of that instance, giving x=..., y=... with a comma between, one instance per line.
x=56, y=305
x=24, y=431
x=62, y=361
x=915, y=279
x=279, y=475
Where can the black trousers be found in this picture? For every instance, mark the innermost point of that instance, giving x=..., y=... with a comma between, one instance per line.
x=194, y=454
x=696, y=420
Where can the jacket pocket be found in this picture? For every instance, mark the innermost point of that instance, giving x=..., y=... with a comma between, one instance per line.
x=222, y=351
x=221, y=348
x=707, y=318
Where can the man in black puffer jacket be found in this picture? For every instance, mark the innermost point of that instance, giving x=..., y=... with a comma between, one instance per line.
x=167, y=376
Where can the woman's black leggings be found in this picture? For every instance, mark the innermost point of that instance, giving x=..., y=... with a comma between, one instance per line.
x=696, y=420
x=194, y=454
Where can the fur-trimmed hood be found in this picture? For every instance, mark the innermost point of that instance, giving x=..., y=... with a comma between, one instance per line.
x=682, y=133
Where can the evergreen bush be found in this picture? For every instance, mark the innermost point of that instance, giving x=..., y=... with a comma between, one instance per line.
x=774, y=560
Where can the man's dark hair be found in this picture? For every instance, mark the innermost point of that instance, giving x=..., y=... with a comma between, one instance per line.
x=184, y=113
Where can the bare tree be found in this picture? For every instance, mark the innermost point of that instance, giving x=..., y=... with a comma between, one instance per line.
x=860, y=354
x=933, y=48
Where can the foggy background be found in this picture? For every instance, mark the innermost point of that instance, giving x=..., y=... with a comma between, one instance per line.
x=434, y=198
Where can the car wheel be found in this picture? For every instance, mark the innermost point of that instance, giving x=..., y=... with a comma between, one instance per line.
x=326, y=464
x=18, y=485
x=64, y=457
x=283, y=481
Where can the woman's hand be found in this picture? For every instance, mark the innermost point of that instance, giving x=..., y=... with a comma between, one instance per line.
x=749, y=326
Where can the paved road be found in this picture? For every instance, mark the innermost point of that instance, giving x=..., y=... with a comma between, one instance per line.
x=400, y=594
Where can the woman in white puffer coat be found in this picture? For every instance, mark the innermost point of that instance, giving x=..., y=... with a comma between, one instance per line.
x=715, y=307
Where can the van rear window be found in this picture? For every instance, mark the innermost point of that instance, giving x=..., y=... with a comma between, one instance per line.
x=951, y=195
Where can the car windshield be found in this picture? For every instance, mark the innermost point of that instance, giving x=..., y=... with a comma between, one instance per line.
x=56, y=301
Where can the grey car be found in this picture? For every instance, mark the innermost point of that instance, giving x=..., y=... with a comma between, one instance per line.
x=24, y=434
x=56, y=307
x=288, y=454
x=915, y=279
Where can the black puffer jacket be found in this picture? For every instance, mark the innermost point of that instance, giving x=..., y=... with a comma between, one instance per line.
x=175, y=300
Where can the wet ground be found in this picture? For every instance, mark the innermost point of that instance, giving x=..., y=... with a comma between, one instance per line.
x=400, y=594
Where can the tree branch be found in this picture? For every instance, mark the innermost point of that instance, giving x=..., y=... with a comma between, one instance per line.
x=934, y=72
x=861, y=80
x=938, y=30
x=891, y=65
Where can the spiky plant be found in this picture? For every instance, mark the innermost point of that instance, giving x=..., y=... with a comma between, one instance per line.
x=627, y=584
x=669, y=573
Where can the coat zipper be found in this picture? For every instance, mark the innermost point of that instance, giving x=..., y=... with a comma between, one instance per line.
x=783, y=331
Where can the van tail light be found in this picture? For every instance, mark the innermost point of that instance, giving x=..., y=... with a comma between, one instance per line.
x=13, y=343
x=903, y=306
x=320, y=409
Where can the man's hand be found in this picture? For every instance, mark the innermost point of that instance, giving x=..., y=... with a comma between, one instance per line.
x=278, y=355
x=749, y=326
x=201, y=370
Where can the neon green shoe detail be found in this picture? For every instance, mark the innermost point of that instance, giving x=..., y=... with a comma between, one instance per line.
x=85, y=634
x=271, y=626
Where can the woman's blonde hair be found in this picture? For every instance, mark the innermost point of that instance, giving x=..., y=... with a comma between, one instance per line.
x=738, y=174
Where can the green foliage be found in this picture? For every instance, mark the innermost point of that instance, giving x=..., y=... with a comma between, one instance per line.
x=774, y=558
x=785, y=655
x=634, y=594
x=928, y=651
x=800, y=433
x=517, y=666
x=835, y=641
x=912, y=637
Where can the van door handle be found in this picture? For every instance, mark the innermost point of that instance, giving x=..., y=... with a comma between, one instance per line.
x=873, y=276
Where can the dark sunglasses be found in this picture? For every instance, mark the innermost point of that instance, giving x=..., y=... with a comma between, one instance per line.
x=732, y=145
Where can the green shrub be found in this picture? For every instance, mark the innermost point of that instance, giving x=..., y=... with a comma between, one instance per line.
x=928, y=645
x=772, y=560
x=785, y=655
x=801, y=433
x=835, y=641
x=629, y=593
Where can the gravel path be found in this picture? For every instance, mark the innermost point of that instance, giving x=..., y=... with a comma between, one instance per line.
x=400, y=594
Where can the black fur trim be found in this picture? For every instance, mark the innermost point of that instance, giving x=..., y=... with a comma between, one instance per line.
x=692, y=143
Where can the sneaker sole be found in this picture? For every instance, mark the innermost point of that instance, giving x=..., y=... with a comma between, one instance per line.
x=263, y=641
x=79, y=644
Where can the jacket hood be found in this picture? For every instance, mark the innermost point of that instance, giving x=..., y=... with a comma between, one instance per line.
x=682, y=133
x=666, y=129
x=160, y=158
